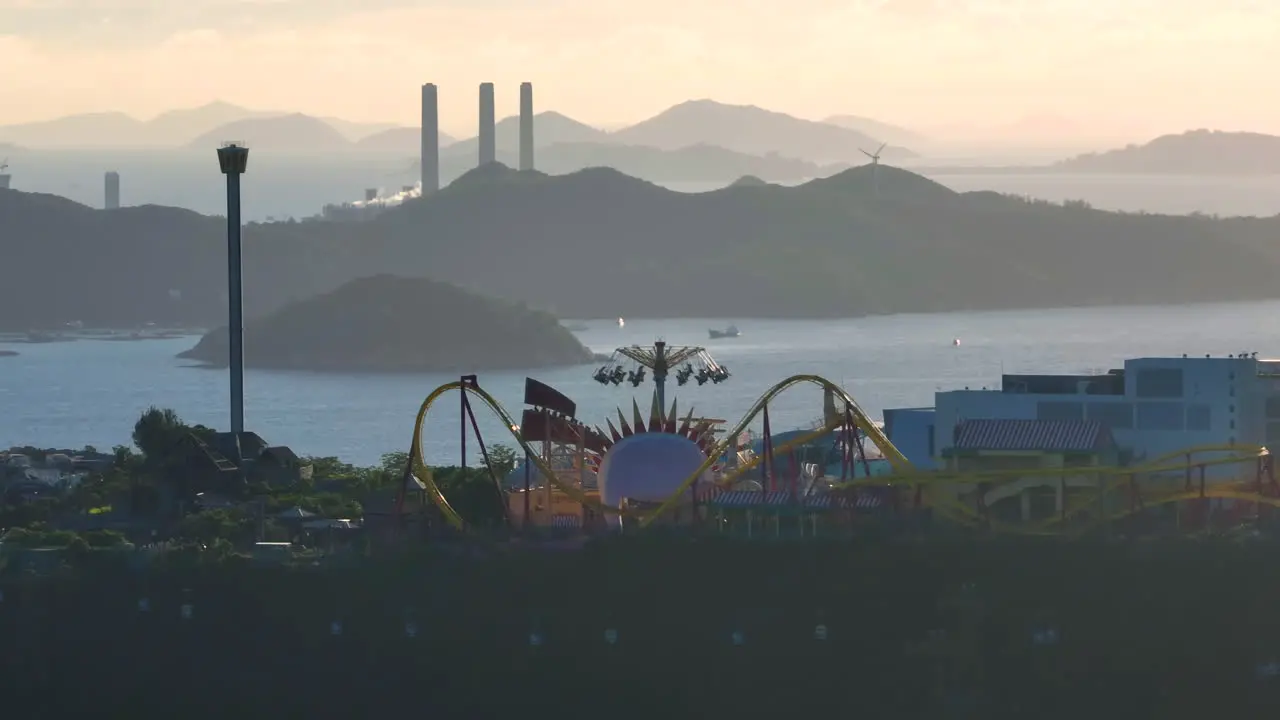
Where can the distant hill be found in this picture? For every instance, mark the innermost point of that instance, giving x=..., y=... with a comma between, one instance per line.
x=882, y=131
x=78, y=131
x=288, y=133
x=360, y=327
x=754, y=131
x=1197, y=152
x=401, y=140
x=356, y=131
x=748, y=181
x=696, y=163
x=549, y=128
x=173, y=128
x=609, y=245
x=179, y=127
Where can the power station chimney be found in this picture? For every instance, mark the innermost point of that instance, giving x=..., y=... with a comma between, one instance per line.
x=112, y=191
x=488, y=153
x=526, y=126
x=430, y=159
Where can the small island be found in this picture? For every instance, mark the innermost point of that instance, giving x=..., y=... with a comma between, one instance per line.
x=8, y=353
x=391, y=324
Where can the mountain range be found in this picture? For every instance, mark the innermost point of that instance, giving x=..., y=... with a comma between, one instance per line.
x=739, y=128
x=169, y=129
x=866, y=240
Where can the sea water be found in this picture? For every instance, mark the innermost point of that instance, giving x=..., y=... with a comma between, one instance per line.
x=90, y=392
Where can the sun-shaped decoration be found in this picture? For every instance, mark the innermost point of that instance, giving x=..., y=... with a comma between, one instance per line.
x=659, y=422
x=649, y=460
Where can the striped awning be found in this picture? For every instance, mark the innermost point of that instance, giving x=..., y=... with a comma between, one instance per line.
x=1032, y=435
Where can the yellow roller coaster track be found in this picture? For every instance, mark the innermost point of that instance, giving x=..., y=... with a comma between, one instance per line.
x=929, y=483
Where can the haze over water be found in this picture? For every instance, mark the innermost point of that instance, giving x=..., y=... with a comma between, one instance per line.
x=73, y=394
x=281, y=187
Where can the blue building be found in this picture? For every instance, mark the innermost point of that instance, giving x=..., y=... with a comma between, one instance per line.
x=1152, y=407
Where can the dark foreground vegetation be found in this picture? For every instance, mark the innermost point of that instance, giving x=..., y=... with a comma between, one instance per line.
x=914, y=629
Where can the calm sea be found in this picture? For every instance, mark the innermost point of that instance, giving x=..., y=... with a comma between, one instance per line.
x=87, y=392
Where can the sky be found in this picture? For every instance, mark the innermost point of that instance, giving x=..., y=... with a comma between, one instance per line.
x=1111, y=67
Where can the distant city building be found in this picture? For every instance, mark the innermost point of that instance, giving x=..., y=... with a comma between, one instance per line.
x=111, y=184
x=350, y=212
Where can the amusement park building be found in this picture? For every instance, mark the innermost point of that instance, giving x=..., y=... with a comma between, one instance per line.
x=1152, y=407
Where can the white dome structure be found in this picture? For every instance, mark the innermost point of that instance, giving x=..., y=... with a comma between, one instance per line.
x=649, y=467
x=648, y=461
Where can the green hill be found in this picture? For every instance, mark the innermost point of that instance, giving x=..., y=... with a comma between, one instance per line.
x=599, y=243
x=397, y=324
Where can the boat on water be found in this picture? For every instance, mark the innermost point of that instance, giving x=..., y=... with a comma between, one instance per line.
x=621, y=322
x=729, y=332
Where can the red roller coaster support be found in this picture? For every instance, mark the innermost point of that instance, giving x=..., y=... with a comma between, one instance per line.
x=766, y=465
x=794, y=474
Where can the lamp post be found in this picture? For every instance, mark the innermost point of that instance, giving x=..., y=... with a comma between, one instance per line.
x=233, y=158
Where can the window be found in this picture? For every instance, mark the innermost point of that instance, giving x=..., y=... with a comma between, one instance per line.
x=1058, y=410
x=1273, y=407
x=930, y=433
x=1159, y=383
x=1160, y=416
x=1198, y=417
x=1117, y=416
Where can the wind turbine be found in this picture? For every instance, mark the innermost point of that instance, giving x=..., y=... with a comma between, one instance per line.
x=875, y=168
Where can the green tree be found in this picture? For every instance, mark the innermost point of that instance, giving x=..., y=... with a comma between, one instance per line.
x=472, y=494
x=235, y=526
x=502, y=460
x=156, y=432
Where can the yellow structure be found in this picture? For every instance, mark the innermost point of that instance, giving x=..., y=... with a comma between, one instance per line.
x=1100, y=480
x=551, y=507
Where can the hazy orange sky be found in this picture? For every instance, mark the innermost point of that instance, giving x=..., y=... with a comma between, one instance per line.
x=1108, y=65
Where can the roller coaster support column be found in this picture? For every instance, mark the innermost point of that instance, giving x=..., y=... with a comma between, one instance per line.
x=469, y=381
x=527, y=461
